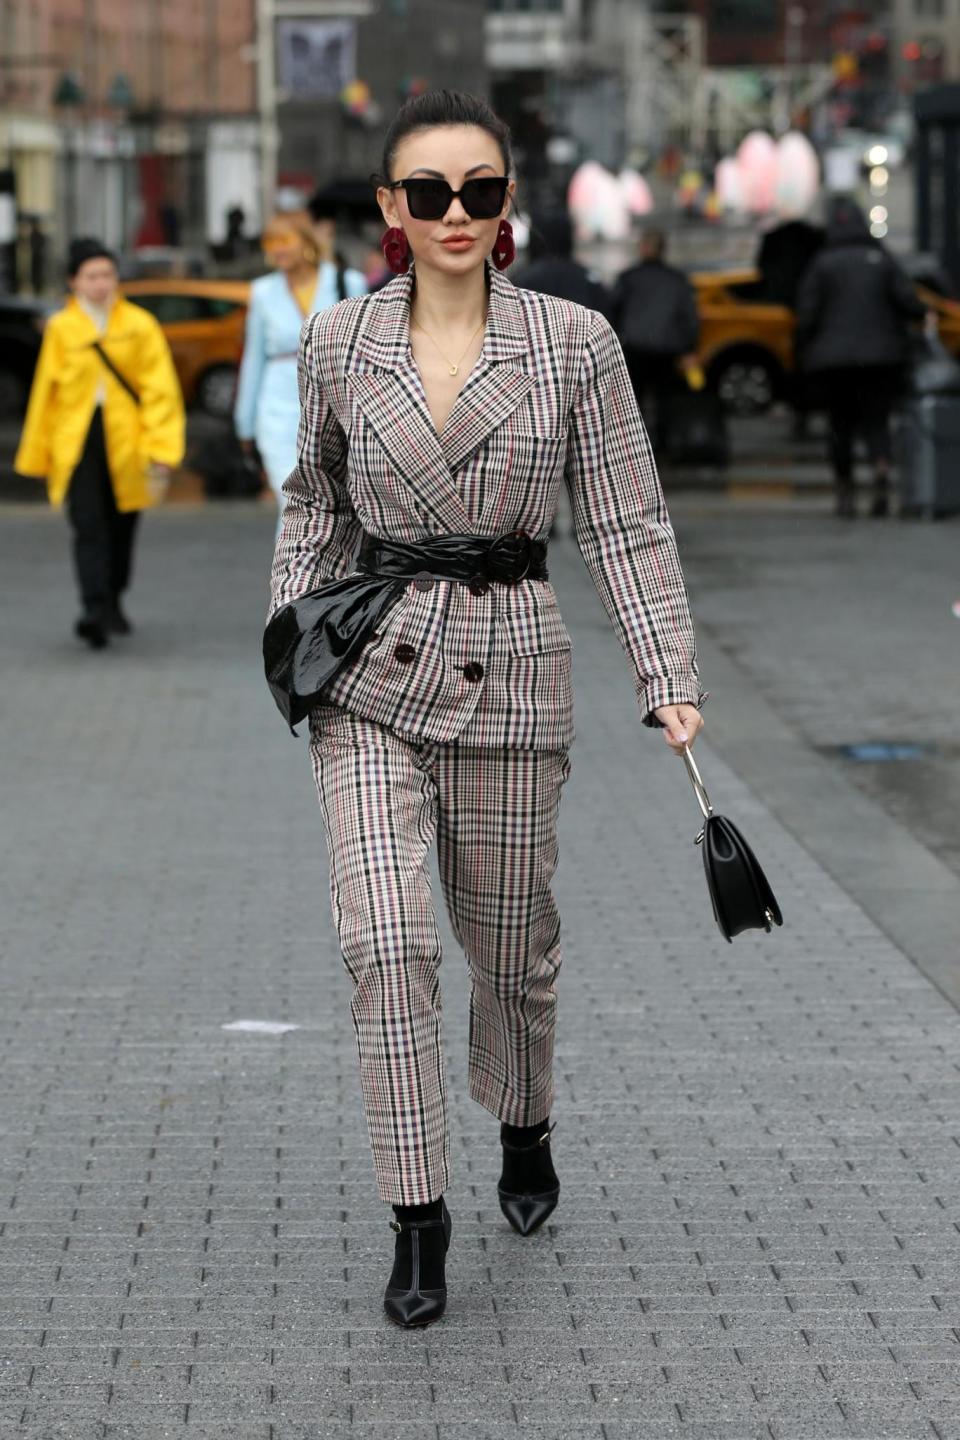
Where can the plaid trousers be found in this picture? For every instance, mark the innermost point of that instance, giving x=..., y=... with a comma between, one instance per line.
x=385, y=798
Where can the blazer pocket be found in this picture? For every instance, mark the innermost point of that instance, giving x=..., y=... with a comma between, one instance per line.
x=533, y=626
x=532, y=454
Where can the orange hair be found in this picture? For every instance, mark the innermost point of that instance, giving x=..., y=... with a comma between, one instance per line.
x=296, y=222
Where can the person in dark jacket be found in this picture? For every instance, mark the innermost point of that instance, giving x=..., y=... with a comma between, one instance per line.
x=854, y=307
x=655, y=315
x=551, y=268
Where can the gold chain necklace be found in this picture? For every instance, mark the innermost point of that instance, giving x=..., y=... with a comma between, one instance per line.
x=454, y=368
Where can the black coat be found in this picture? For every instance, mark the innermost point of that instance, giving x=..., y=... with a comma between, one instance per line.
x=854, y=307
x=566, y=279
x=655, y=310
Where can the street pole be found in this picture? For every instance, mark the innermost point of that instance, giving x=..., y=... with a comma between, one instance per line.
x=267, y=106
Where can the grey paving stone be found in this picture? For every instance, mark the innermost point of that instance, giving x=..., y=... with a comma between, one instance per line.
x=758, y=1143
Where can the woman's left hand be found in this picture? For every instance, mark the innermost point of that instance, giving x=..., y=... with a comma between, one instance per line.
x=681, y=725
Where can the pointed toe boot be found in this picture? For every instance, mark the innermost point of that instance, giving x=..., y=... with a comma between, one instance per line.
x=416, y=1294
x=529, y=1189
x=527, y=1213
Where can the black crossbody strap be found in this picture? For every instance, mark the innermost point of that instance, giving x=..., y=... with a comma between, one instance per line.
x=120, y=379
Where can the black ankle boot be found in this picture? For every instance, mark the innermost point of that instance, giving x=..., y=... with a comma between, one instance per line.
x=528, y=1188
x=92, y=627
x=416, y=1293
x=115, y=621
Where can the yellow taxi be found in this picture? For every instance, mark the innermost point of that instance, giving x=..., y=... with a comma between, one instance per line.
x=746, y=343
x=203, y=321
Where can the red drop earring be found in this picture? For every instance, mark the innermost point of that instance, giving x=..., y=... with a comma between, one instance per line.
x=396, y=250
x=504, y=251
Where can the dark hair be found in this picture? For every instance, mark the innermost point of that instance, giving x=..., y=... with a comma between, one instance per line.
x=87, y=248
x=319, y=207
x=654, y=243
x=443, y=107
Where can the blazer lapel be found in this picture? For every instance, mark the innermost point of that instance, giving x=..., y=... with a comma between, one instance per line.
x=498, y=382
x=388, y=389
x=383, y=377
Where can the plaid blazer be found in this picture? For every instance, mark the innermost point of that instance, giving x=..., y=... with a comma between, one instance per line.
x=548, y=403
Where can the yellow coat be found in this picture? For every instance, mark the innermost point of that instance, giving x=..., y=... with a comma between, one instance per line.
x=64, y=396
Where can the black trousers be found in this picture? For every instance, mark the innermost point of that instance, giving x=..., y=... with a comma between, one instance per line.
x=654, y=377
x=102, y=536
x=859, y=403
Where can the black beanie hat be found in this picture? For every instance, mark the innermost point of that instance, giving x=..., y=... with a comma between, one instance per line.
x=87, y=249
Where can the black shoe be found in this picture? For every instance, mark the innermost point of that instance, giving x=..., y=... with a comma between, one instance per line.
x=416, y=1294
x=92, y=629
x=880, y=508
x=528, y=1188
x=115, y=621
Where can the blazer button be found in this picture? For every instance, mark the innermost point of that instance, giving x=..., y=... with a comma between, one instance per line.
x=478, y=586
x=473, y=671
x=405, y=654
x=423, y=581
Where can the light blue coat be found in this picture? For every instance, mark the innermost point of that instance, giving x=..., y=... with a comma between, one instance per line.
x=267, y=407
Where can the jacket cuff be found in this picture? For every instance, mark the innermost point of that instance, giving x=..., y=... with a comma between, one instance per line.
x=664, y=691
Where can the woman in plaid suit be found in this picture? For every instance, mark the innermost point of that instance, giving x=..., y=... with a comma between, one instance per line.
x=448, y=409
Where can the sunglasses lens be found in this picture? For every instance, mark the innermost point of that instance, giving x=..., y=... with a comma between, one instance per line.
x=483, y=199
x=428, y=199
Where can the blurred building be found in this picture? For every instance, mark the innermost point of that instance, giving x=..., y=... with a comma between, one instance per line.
x=610, y=80
x=343, y=69
x=623, y=80
x=135, y=121
x=149, y=121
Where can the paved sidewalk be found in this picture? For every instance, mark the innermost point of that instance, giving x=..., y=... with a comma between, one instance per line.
x=759, y=1144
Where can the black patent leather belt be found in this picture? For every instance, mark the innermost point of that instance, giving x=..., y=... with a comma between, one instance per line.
x=312, y=639
x=502, y=560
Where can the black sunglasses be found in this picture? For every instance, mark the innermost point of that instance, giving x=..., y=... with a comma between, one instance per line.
x=431, y=199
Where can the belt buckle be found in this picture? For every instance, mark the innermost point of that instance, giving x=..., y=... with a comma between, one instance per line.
x=509, y=557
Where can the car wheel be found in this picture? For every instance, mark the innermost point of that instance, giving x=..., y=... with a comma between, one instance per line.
x=746, y=385
x=216, y=391
x=13, y=394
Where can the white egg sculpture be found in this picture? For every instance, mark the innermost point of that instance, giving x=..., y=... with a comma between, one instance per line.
x=798, y=176
x=727, y=184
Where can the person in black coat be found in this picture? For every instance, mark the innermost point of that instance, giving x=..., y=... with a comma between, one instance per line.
x=655, y=315
x=854, y=309
x=551, y=268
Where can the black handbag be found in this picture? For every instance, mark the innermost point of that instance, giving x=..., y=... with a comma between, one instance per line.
x=310, y=640
x=740, y=892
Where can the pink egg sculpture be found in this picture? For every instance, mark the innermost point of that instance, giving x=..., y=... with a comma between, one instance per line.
x=596, y=204
x=636, y=192
x=757, y=163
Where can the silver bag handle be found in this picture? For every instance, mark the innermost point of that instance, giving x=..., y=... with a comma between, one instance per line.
x=696, y=780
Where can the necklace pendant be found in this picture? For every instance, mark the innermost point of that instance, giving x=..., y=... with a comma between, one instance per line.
x=454, y=369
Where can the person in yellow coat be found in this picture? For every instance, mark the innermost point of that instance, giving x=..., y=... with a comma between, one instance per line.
x=104, y=427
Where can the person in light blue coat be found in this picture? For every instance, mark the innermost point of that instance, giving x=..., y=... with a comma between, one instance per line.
x=267, y=408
